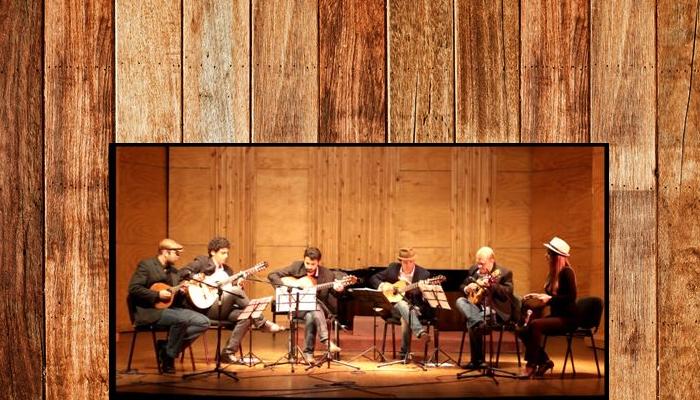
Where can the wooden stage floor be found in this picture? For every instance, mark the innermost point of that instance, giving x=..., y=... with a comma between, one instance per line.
x=396, y=381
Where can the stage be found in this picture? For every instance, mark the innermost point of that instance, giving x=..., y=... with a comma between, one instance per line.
x=396, y=381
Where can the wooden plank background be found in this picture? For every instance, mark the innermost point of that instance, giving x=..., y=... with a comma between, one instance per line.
x=114, y=71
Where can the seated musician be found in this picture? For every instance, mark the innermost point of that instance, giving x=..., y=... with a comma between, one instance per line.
x=560, y=295
x=234, y=298
x=185, y=325
x=408, y=271
x=487, y=284
x=311, y=270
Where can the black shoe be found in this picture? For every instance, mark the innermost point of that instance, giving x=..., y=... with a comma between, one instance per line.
x=480, y=328
x=167, y=363
x=476, y=365
x=542, y=368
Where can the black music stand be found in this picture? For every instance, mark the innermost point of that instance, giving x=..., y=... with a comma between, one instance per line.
x=328, y=356
x=253, y=310
x=408, y=357
x=489, y=370
x=292, y=300
x=380, y=305
x=217, y=368
x=437, y=300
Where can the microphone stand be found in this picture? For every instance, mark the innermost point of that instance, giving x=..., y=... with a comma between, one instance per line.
x=217, y=369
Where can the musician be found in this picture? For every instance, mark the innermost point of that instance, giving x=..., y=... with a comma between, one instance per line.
x=496, y=284
x=560, y=295
x=185, y=325
x=413, y=305
x=234, y=299
x=326, y=298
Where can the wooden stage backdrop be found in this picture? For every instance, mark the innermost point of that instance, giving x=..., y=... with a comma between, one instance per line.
x=75, y=76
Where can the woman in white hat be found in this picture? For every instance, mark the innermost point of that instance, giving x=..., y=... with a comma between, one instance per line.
x=560, y=296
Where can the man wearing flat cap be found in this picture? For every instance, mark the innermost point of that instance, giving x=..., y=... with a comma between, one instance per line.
x=185, y=325
x=406, y=269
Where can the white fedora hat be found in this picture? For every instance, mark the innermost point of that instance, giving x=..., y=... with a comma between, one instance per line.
x=558, y=246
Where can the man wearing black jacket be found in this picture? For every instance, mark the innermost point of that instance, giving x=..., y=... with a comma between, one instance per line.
x=185, y=325
x=233, y=300
x=496, y=282
x=413, y=305
x=326, y=298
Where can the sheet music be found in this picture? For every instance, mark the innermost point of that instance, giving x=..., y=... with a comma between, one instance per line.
x=285, y=301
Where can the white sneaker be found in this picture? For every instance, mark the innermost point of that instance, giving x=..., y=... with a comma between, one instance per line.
x=333, y=348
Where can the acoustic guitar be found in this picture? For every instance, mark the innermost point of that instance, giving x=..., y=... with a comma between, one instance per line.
x=475, y=296
x=394, y=292
x=204, y=296
x=306, y=282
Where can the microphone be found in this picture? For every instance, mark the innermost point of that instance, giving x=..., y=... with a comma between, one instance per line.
x=527, y=318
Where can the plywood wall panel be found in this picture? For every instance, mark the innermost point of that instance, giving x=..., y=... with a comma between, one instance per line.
x=352, y=60
x=281, y=207
x=21, y=199
x=148, y=71
x=421, y=71
x=216, y=71
x=520, y=262
x=285, y=71
x=678, y=119
x=422, y=209
x=512, y=210
x=555, y=71
x=424, y=158
x=513, y=159
x=487, y=81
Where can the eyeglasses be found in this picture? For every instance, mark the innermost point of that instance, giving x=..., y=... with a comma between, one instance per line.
x=177, y=251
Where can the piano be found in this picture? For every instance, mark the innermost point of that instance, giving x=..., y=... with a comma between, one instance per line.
x=449, y=320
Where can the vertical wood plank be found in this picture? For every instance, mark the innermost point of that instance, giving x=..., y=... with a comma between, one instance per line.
x=216, y=73
x=352, y=51
x=21, y=200
x=421, y=71
x=555, y=71
x=487, y=82
x=78, y=92
x=148, y=71
x=679, y=182
x=623, y=113
x=285, y=75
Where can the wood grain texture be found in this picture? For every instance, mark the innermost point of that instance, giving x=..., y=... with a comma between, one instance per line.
x=623, y=113
x=285, y=71
x=21, y=200
x=487, y=82
x=216, y=72
x=554, y=71
x=678, y=185
x=352, y=58
x=148, y=71
x=79, y=106
x=421, y=71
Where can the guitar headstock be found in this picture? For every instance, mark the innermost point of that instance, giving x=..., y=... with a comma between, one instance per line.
x=259, y=267
x=435, y=280
x=348, y=280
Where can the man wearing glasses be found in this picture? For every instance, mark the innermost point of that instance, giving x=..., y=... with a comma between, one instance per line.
x=185, y=325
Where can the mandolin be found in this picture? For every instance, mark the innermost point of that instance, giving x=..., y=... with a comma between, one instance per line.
x=158, y=286
x=475, y=296
x=394, y=292
x=204, y=296
x=306, y=282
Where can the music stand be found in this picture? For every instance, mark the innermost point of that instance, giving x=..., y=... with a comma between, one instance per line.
x=292, y=300
x=489, y=371
x=217, y=369
x=328, y=356
x=437, y=300
x=380, y=305
x=253, y=310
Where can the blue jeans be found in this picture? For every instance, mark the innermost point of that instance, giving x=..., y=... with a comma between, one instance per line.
x=313, y=321
x=474, y=315
x=405, y=312
x=185, y=326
